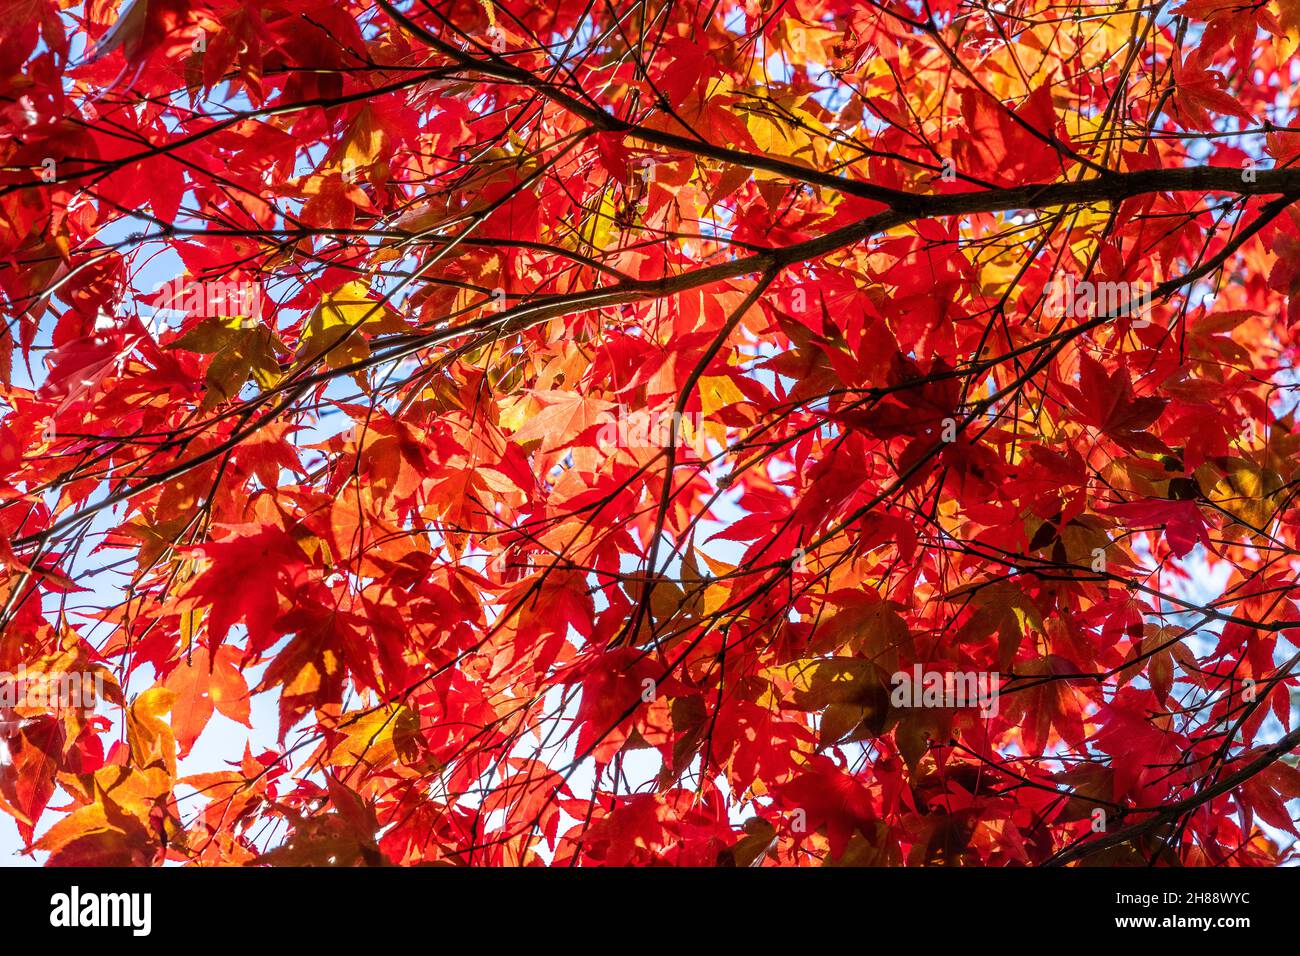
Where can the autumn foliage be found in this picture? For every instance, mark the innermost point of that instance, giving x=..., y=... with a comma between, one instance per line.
x=519, y=433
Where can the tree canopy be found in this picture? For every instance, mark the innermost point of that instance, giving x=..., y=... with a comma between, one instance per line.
x=779, y=432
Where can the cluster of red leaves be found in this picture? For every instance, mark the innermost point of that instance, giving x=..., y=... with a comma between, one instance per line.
x=384, y=491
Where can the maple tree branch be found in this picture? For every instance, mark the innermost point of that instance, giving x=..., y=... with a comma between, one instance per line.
x=512, y=321
x=1266, y=757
